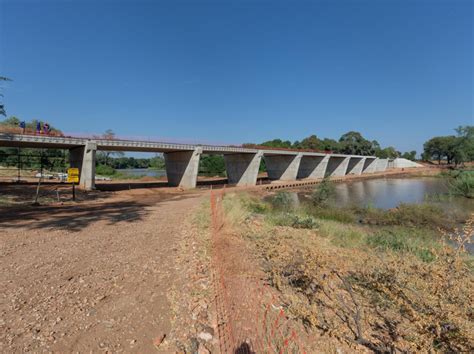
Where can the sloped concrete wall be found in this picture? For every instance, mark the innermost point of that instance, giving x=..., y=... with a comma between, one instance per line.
x=381, y=165
x=337, y=166
x=182, y=168
x=283, y=167
x=405, y=163
x=355, y=166
x=242, y=169
x=313, y=167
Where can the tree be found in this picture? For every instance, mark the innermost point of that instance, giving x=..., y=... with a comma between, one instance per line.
x=103, y=157
x=311, y=143
x=2, y=106
x=387, y=153
x=410, y=155
x=353, y=143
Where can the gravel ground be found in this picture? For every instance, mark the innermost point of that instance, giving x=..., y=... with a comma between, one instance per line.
x=95, y=276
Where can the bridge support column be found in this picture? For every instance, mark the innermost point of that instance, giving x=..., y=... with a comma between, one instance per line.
x=337, y=166
x=369, y=165
x=283, y=167
x=83, y=158
x=313, y=167
x=242, y=169
x=356, y=164
x=381, y=165
x=182, y=168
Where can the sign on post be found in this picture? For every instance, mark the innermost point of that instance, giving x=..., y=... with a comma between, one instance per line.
x=73, y=175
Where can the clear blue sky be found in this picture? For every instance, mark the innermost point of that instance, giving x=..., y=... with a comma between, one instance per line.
x=242, y=71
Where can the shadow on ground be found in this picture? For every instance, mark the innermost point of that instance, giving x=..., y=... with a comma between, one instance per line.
x=76, y=217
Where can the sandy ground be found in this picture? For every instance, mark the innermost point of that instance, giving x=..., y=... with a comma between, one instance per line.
x=94, y=276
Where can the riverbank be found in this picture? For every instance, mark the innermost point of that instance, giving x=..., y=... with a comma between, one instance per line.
x=359, y=280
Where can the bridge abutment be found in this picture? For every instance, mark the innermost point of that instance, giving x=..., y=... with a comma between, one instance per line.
x=381, y=165
x=182, y=168
x=242, y=169
x=83, y=158
x=283, y=167
x=313, y=167
x=337, y=166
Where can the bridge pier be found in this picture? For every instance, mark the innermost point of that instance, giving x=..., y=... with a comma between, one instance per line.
x=356, y=164
x=369, y=165
x=313, y=167
x=83, y=158
x=242, y=169
x=337, y=166
x=182, y=167
x=283, y=167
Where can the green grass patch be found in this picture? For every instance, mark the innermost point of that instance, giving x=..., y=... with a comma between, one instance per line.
x=418, y=242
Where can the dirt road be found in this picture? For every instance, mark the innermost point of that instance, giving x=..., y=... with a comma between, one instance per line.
x=91, y=277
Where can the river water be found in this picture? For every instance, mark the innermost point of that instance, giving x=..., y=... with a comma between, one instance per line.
x=388, y=193
x=142, y=172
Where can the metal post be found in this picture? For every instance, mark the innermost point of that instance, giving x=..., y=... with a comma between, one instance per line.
x=19, y=165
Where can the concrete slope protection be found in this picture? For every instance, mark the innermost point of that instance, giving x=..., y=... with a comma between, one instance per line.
x=182, y=160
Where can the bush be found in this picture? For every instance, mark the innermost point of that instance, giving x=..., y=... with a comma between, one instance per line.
x=282, y=201
x=462, y=184
x=323, y=192
x=104, y=170
x=295, y=221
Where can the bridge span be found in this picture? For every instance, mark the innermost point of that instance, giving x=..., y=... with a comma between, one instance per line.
x=182, y=160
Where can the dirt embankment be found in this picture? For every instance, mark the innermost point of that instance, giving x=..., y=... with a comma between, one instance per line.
x=100, y=275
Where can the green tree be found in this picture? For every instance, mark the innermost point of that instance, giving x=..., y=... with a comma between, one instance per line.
x=311, y=143
x=2, y=106
x=410, y=155
x=353, y=143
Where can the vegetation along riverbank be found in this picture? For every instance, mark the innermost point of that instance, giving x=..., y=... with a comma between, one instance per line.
x=361, y=277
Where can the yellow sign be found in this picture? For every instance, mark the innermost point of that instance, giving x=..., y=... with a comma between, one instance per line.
x=73, y=175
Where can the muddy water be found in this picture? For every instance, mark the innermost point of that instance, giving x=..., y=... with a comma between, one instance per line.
x=388, y=193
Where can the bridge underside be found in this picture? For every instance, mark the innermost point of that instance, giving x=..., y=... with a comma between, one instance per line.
x=182, y=160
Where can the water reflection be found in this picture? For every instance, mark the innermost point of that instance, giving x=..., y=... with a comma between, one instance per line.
x=388, y=193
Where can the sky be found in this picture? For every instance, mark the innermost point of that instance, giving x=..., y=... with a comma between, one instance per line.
x=231, y=72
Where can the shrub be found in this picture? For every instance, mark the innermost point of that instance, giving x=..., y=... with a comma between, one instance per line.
x=323, y=192
x=295, y=221
x=282, y=201
x=104, y=170
x=462, y=184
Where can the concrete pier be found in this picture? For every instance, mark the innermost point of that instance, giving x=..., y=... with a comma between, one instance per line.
x=182, y=168
x=356, y=164
x=242, y=169
x=337, y=166
x=369, y=165
x=83, y=158
x=313, y=167
x=283, y=167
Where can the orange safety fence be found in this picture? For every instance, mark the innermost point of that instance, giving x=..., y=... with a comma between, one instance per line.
x=250, y=318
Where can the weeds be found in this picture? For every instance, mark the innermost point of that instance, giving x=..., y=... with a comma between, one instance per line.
x=413, y=295
x=462, y=185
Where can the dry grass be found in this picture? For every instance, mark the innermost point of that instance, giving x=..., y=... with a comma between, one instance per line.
x=377, y=288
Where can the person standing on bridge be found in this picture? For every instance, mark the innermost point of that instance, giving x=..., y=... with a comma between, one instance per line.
x=46, y=128
x=38, y=127
x=23, y=127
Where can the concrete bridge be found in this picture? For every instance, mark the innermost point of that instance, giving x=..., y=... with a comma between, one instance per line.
x=182, y=160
